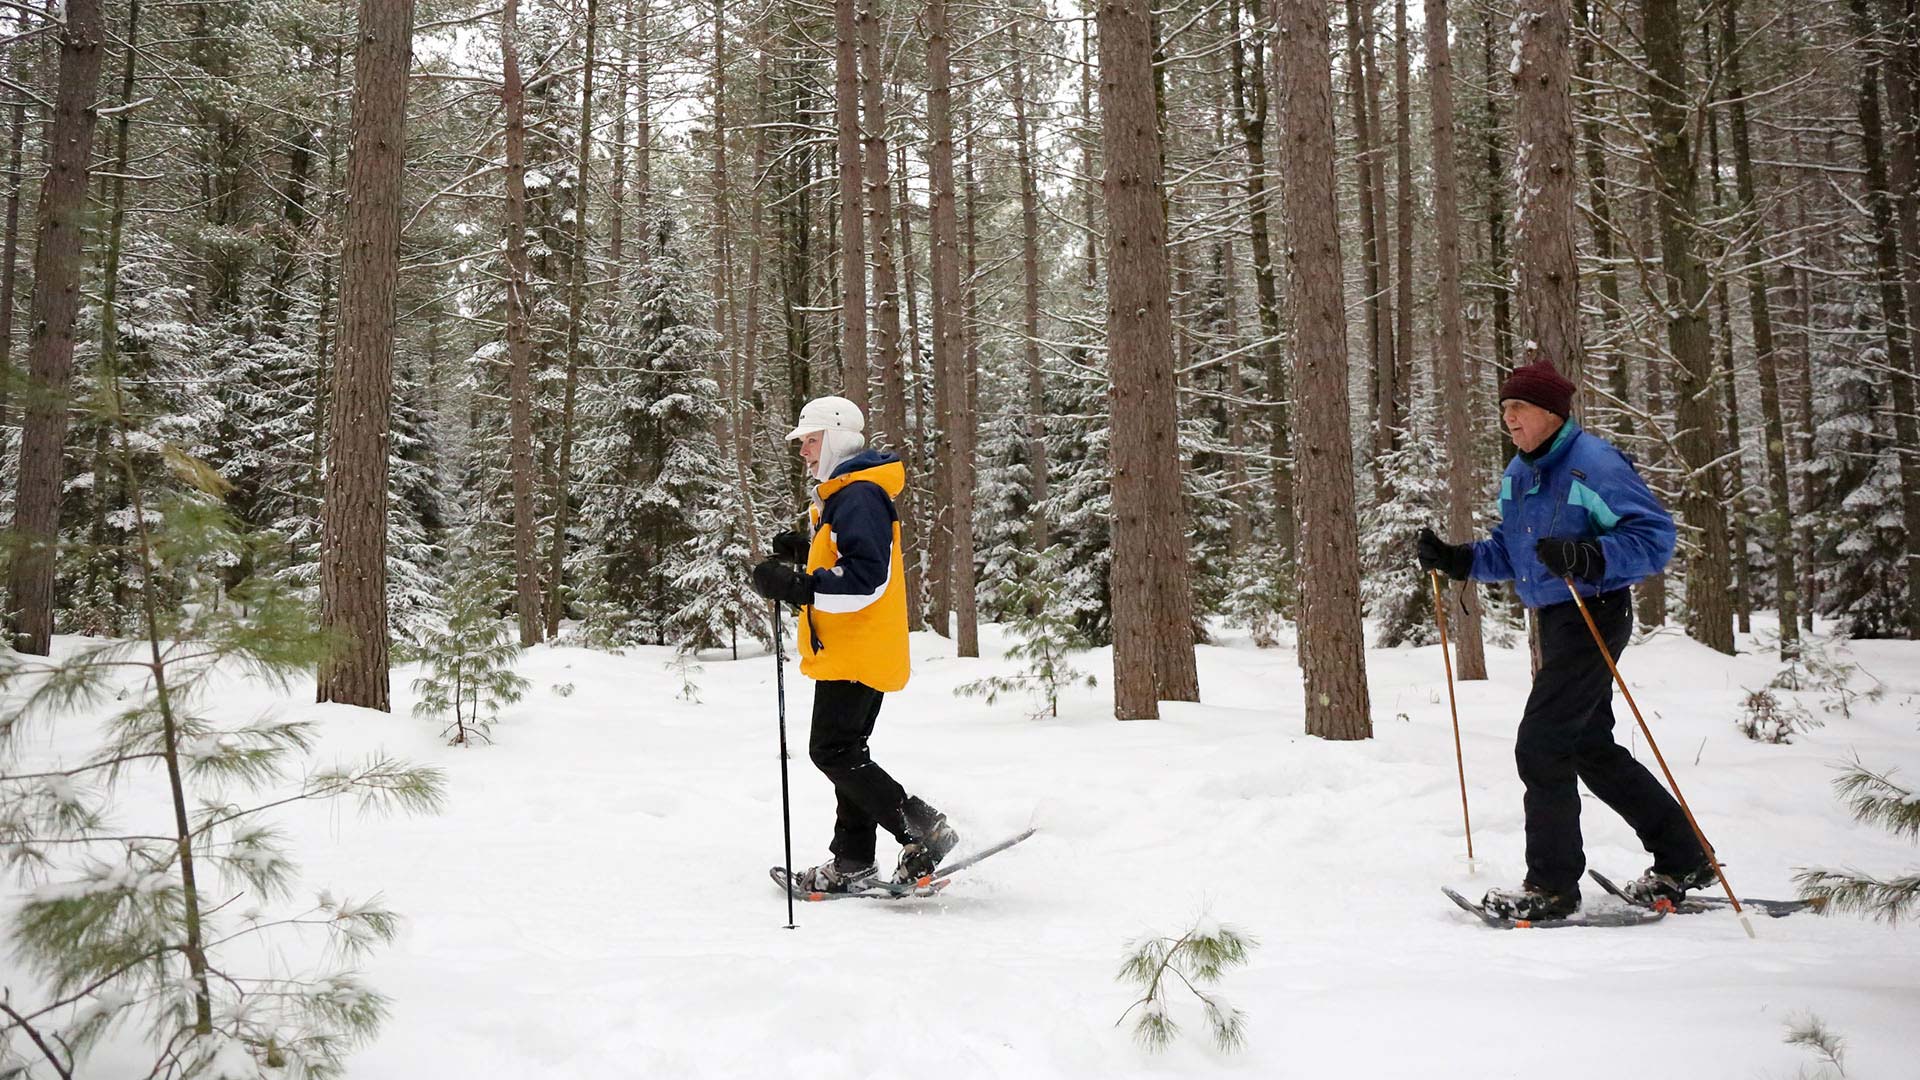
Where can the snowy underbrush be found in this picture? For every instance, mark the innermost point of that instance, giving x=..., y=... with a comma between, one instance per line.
x=593, y=900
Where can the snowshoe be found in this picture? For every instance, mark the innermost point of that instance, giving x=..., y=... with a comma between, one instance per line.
x=1531, y=902
x=1653, y=886
x=920, y=857
x=834, y=876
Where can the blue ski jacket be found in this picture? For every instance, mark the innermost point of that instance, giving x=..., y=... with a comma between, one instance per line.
x=1580, y=488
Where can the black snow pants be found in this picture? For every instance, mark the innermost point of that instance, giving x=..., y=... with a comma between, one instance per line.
x=843, y=716
x=1567, y=735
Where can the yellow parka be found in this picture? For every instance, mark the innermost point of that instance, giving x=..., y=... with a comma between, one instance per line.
x=856, y=628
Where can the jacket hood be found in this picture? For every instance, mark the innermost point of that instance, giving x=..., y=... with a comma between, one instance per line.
x=874, y=466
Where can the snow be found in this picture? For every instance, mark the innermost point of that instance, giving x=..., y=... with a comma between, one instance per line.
x=594, y=900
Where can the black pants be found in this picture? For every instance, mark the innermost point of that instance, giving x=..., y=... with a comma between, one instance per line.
x=1567, y=734
x=866, y=797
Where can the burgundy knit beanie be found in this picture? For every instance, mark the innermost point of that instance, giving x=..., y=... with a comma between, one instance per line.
x=1539, y=384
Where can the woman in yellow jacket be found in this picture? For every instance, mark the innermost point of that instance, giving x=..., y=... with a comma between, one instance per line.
x=853, y=643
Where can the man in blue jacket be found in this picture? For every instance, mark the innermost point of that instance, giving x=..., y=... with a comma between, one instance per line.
x=1573, y=508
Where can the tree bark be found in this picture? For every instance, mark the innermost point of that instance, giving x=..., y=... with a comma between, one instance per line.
x=1402, y=224
x=1886, y=250
x=949, y=344
x=893, y=427
x=1333, y=650
x=526, y=569
x=1251, y=109
x=1543, y=224
x=55, y=303
x=10, y=246
x=853, y=242
x=1455, y=391
x=576, y=314
x=966, y=401
x=1709, y=611
x=353, y=530
x=1038, y=531
x=1151, y=602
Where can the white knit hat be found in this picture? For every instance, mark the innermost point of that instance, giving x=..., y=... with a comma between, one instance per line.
x=828, y=414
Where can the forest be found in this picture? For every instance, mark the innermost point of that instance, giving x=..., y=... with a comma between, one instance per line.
x=1192, y=312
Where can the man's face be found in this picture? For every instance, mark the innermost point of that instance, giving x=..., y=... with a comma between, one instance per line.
x=810, y=449
x=1528, y=424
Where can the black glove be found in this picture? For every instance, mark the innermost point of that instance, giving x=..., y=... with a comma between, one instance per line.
x=776, y=580
x=1572, y=558
x=1453, y=560
x=792, y=546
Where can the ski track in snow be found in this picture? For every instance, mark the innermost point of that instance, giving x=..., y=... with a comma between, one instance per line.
x=594, y=903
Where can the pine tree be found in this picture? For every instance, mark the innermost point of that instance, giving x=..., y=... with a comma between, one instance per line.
x=1045, y=637
x=469, y=657
x=1875, y=799
x=127, y=929
x=1395, y=591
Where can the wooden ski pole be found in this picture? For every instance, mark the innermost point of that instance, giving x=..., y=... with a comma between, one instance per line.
x=1459, y=759
x=1705, y=847
x=786, y=812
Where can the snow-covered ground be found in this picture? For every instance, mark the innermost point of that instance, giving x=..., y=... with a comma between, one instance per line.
x=594, y=901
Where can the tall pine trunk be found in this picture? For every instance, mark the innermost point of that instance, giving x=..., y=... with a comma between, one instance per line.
x=1893, y=308
x=1036, y=430
x=55, y=304
x=1333, y=650
x=1676, y=184
x=853, y=242
x=353, y=525
x=1151, y=603
x=1543, y=172
x=1455, y=391
x=526, y=569
x=577, y=265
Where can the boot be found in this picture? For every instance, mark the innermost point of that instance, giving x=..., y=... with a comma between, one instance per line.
x=835, y=876
x=1654, y=886
x=1530, y=902
x=931, y=838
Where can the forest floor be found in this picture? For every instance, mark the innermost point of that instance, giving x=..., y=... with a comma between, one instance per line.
x=594, y=901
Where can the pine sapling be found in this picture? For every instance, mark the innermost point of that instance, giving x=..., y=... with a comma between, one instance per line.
x=1045, y=638
x=1768, y=719
x=1195, y=959
x=469, y=661
x=1875, y=800
x=1811, y=1032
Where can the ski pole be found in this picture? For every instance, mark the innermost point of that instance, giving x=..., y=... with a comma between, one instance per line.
x=786, y=813
x=1459, y=759
x=1705, y=847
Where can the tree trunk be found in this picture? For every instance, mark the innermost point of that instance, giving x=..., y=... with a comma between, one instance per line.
x=893, y=428
x=353, y=545
x=1333, y=649
x=1548, y=278
x=1709, y=591
x=576, y=313
x=56, y=298
x=1373, y=247
x=10, y=246
x=949, y=346
x=1886, y=250
x=1497, y=249
x=1403, y=224
x=526, y=569
x=1151, y=603
x=1760, y=311
x=853, y=243
x=966, y=401
x=1600, y=214
x=1730, y=452
x=1251, y=108
x=1038, y=532
x=1455, y=392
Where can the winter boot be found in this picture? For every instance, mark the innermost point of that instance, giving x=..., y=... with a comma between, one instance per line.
x=1654, y=886
x=1530, y=901
x=835, y=876
x=932, y=839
